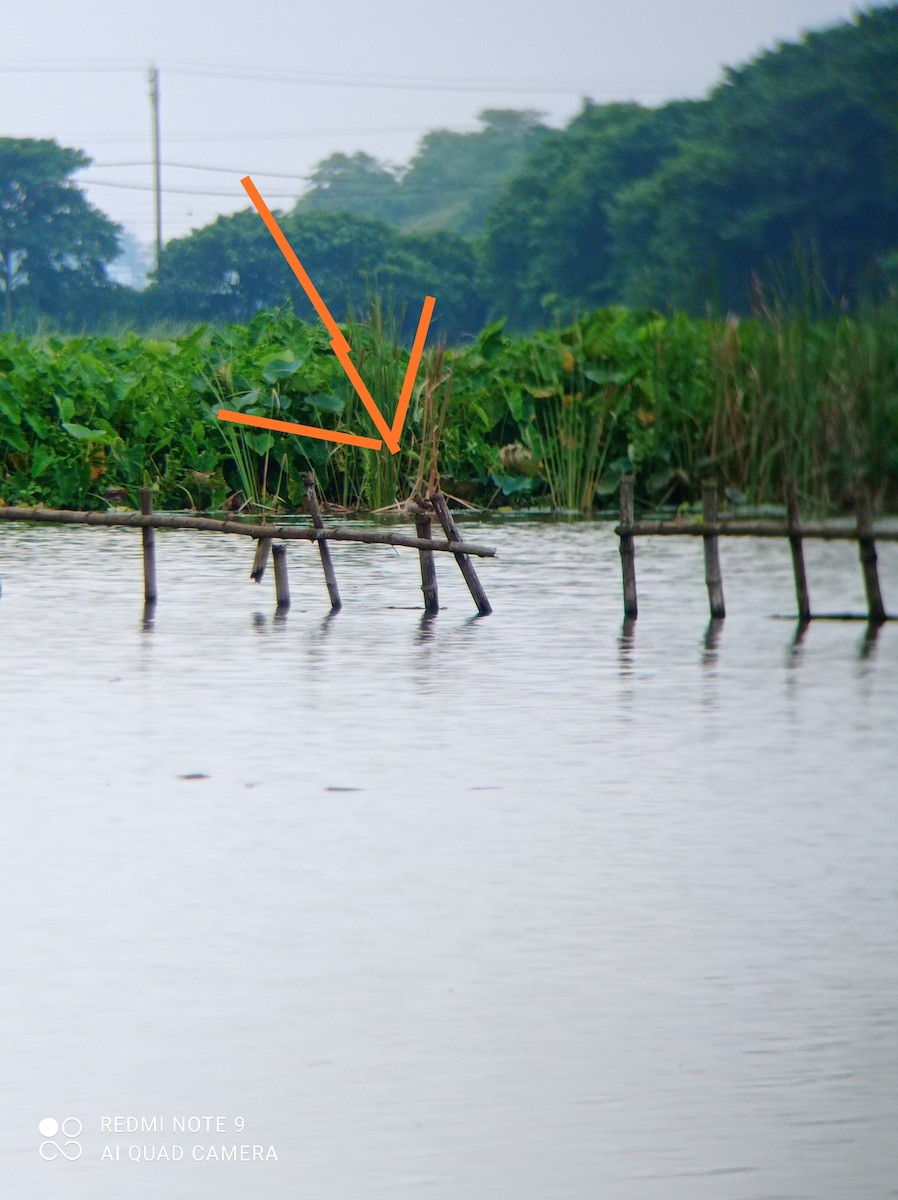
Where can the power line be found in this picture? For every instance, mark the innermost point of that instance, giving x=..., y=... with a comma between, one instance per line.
x=355, y=190
x=255, y=136
x=377, y=81
x=148, y=187
x=237, y=172
x=69, y=67
x=304, y=78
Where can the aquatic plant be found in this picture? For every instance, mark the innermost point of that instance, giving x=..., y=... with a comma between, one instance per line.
x=554, y=417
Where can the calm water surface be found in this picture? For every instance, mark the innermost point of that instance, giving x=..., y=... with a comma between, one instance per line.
x=524, y=908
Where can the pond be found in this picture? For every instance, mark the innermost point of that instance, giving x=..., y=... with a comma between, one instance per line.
x=520, y=907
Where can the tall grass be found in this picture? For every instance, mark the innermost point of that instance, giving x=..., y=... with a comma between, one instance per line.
x=363, y=478
x=812, y=400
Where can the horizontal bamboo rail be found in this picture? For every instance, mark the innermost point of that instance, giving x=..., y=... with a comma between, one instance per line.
x=761, y=529
x=287, y=533
x=710, y=528
x=148, y=522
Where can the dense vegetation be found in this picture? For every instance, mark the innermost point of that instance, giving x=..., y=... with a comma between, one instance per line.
x=793, y=157
x=775, y=198
x=555, y=417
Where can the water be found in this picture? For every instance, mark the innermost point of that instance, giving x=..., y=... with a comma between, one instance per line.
x=522, y=907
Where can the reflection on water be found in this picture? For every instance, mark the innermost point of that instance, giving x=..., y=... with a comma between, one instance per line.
x=539, y=905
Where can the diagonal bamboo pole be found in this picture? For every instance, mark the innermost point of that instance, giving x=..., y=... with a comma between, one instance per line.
x=330, y=577
x=441, y=508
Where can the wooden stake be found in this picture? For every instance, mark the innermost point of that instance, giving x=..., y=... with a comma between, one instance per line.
x=628, y=547
x=441, y=508
x=428, y=564
x=281, y=580
x=867, y=547
x=712, y=553
x=150, y=591
x=260, y=559
x=329, y=577
x=795, y=542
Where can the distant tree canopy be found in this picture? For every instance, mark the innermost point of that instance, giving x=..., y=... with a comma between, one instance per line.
x=792, y=158
x=795, y=153
x=230, y=269
x=548, y=239
x=54, y=246
x=450, y=183
x=790, y=164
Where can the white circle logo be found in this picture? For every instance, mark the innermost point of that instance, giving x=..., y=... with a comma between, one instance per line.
x=71, y=1129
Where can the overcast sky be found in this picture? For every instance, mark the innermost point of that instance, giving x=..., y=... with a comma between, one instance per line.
x=287, y=83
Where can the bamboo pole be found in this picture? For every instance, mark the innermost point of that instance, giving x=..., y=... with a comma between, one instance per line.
x=281, y=579
x=150, y=590
x=796, y=546
x=816, y=531
x=423, y=528
x=867, y=548
x=288, y=533
x=712, y=552
x=327, y=564
x=628, y=548
x=441, y=508
x=260, y=559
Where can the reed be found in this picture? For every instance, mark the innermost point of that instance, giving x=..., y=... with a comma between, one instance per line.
x=363, y=479
x=806, y=399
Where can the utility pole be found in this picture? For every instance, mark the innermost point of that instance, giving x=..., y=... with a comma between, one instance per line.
x=157, y=175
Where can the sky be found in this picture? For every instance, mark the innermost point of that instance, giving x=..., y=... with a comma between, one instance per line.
x=271, y=87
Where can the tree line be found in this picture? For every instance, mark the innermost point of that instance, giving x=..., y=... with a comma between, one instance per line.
x=787, y=169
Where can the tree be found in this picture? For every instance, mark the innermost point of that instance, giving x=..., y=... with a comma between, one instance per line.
x=450, y=183
x=355, y=184
x=54, y=245
x=793, y=155
x=548, y=240
x=231, y=269
x=454, y=178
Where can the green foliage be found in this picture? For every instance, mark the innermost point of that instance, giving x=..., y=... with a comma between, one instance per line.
x=449, y=186
x=356, y=184
x=788, y=169
x=54, y=246
x=548, y=245
x=798, y=151
x=690, y=205
x=556, y=417
x=231, y=269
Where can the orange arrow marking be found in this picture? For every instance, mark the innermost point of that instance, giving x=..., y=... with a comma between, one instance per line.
x=342, y=350
x=312, y=431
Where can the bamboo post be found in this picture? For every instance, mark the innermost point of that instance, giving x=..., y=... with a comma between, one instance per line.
x=441, y=508
x=260, y=559
x=712, y=552
x=150, y=591
x=281, y=580
x=628, y=547
x=796, y=544
x=329, y=577
x=867, y=548
x=428, y=565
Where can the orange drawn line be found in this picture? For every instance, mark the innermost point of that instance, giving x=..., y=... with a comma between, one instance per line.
x=339, y=344
x=367, y=399
x=312, y=431
x=296, y=266
x=341, y=349
x=411, y=371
